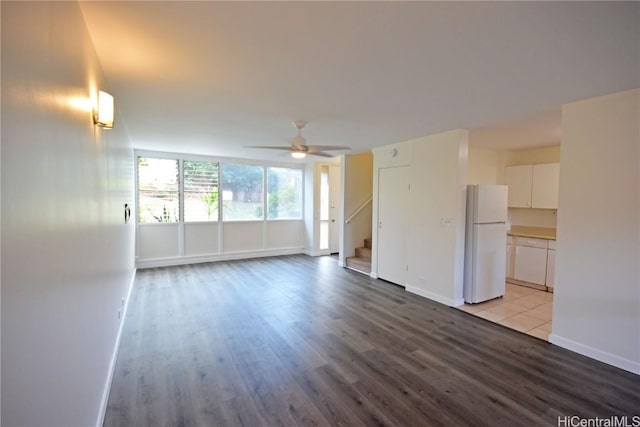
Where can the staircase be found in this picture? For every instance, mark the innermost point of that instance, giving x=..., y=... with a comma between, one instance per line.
x=362, y=261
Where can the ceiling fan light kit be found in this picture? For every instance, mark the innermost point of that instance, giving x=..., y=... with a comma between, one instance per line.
x=299, y=148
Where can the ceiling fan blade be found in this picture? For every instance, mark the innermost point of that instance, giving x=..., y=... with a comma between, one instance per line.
x=327, y=147
x=299, y=145
x=320, y=154
x=269, y=147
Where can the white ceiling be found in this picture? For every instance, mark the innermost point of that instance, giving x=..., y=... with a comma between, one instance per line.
x=212, y=77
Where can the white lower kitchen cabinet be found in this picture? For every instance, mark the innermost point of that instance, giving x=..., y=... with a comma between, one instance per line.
x=509, y=272
x=551, y=268
x=530, y=263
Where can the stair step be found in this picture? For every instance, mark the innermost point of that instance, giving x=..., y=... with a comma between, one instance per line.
x=363, y=253
x=361, y=264
x=367, y=243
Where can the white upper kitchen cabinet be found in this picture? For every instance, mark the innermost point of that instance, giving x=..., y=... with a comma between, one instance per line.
x=533, y=186
x=519, y=180
x=544, y=190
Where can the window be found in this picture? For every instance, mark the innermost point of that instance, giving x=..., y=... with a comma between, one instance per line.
x=284, y=194
x=201, y=191
x=179, y=190
x=158, y=198
x=242, y=192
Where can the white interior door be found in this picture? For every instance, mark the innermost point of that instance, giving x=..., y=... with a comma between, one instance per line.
x=334, y=208
x=393, y=200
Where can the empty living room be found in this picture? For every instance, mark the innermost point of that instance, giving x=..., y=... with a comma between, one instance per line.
x=255, y=213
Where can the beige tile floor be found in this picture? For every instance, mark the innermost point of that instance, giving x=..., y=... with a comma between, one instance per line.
x=523, y=309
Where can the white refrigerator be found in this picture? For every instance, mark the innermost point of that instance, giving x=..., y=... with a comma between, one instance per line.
x=485, y=242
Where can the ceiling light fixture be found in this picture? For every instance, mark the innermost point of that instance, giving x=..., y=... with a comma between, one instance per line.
x=298, y=155
x=103, y=115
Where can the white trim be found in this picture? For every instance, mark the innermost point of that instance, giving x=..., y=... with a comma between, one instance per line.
x=340, y=263
x=216, y=159
x=195, y=259
x=373, y=275
x=435, y=297
x=594, y=353
x=114, y=356
x=313, y=253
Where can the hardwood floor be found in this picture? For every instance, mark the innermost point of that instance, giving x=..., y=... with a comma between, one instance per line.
x=300, y=341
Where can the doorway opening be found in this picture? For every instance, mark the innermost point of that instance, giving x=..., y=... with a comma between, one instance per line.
x=324, y=207
x=329, y=202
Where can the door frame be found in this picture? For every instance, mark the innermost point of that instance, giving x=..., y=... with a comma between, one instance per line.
x=402, y=278
x=338, y=210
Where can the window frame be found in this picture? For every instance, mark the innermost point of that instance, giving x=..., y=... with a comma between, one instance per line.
x=221, y=161
x=182, y=192
x=267, y=194
x=137, y=156
x=264, y=186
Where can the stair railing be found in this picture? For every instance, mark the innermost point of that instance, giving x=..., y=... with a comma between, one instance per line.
x=357, y=211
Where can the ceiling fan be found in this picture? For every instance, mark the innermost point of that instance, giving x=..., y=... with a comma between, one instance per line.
x=299, y=148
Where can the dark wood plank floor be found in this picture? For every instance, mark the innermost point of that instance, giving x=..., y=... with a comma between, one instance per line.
x=300, y=341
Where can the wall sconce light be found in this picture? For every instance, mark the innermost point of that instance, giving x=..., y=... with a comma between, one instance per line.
x=103, y=115
x=298, y=154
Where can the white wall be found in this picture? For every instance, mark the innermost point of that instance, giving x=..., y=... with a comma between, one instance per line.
x=596, y=308
x=438, y=191
x=311, y=181
x=438, y=181
x=358, y=187
x=484, y=166
x=534, y=156
x=67, y=256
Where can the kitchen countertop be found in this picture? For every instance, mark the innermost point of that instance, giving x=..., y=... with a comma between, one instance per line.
x=534, y=232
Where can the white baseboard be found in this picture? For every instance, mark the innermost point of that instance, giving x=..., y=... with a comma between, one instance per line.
x=457, y=302
x=114, y=356
x=195, y=259
x=316, y=253
x=373, y=275
x=435, y=297
x=594, y=353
